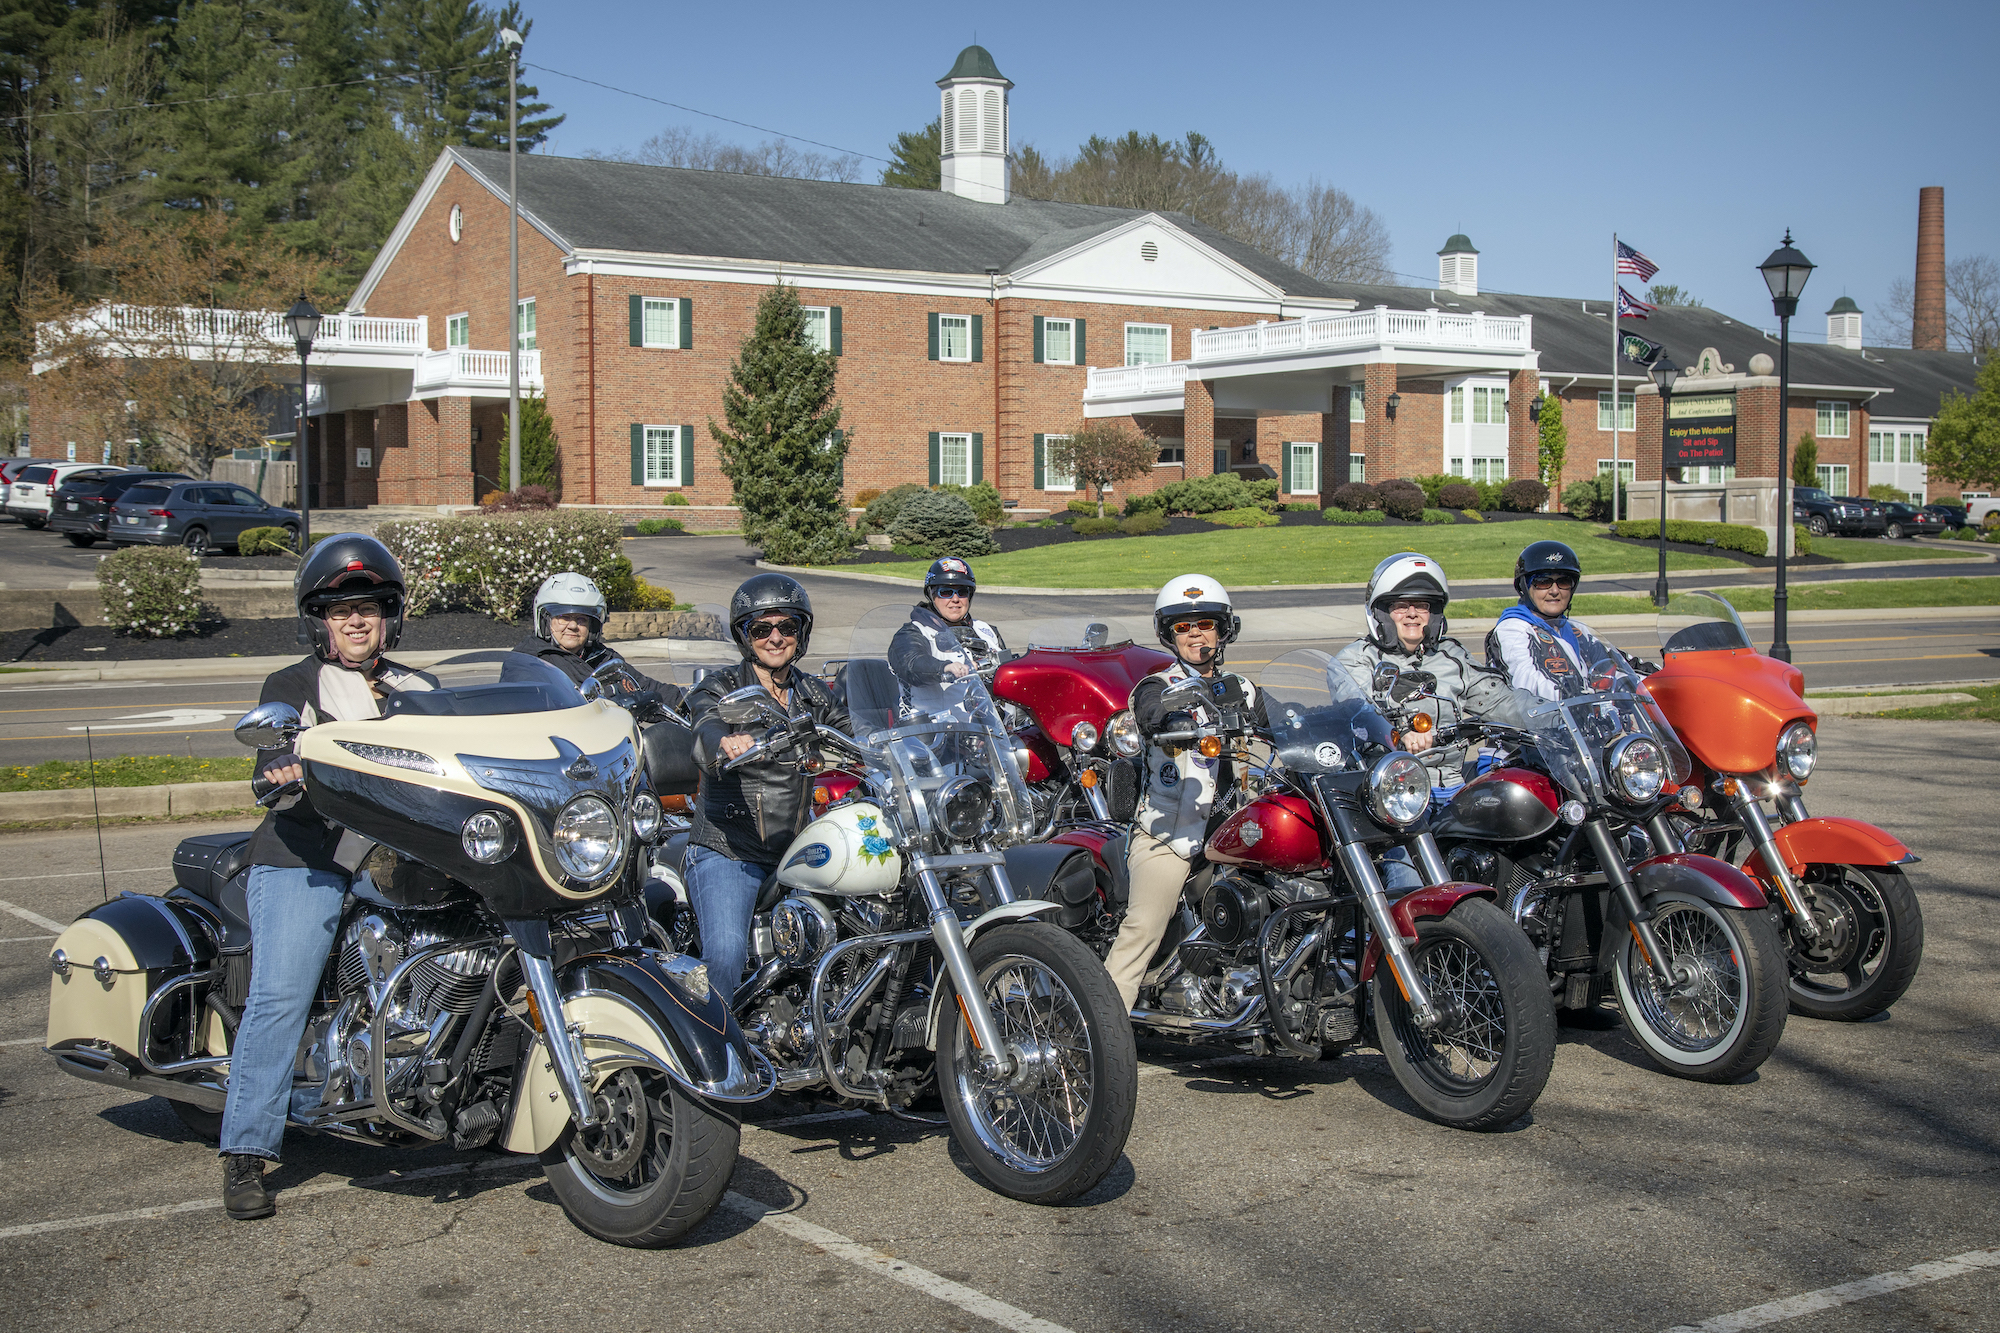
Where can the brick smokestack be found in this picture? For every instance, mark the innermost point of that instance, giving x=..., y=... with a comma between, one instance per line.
x=1927, y=328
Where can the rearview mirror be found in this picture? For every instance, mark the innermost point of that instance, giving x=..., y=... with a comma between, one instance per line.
x=748, y=706
x=1385, y=676
x=268, y=726
x=1413, y=682
x=1189, y=693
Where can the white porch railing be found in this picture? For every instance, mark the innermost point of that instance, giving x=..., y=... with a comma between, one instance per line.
x=238, y=328
x=473, y=368
x=1136, y=381
x=1477, y=332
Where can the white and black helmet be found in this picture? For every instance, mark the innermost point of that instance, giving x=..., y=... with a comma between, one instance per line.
x=1406, y=574
x=1195, y=596
x=568, y=595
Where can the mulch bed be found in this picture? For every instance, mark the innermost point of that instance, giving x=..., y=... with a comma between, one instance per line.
x=1741, y=557
x=240, y=638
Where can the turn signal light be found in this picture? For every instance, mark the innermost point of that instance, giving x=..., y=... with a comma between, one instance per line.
x=535, y=1011
x=822, y=795
x=1210, y=746
x=1087, y=778
x=1421, y=723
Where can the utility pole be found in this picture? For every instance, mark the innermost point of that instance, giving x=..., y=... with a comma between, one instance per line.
x=512, y=41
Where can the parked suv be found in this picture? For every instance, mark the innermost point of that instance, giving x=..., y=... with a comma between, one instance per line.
x=81, y=508
x=195, y=514
x=28, y=499
x=1874, y=518
x=1908, y=520
x=1822, y=513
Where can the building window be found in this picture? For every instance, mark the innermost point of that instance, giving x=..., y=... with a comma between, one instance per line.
x=819, y=327
x=1147, y=344
x=1708, y=476
x=458, y=331
x=954, y=337
x=1059, y=342
x=1625, y=466
x=1489, y=407
x=1489, y=469
x=663, y=456
x=1172, y=452
x=1357, y=404
x=1912, y=446
x=1357, y=467
x=660, y=322
x=1458, y=406
x=1833, y=477
x=524, y=323
x=1881, y=446
x=1832, y=422
x=955, y=459
x=1053, y=477
x=1302, y=468
x=1628, y=412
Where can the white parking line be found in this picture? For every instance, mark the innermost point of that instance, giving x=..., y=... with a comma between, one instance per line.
x=32, y=918
x=24, y=1041
x=1826, y=1298
x=23, y=939
x=78, y=874
x=896, y=1270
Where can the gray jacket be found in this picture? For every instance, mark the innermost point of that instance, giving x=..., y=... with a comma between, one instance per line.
x=1464, y=689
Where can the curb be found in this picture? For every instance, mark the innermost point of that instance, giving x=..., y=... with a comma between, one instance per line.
x=1864, y=706
x=174, y=798
x=183, y=668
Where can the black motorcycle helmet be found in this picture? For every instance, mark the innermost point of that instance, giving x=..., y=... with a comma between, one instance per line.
x=769, y=592
x=949, y=572
x=347, y=567
x=1543, y=558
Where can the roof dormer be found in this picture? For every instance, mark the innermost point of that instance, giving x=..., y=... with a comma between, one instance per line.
x=1843, y=324
x=1458, y=266
x=973, y=139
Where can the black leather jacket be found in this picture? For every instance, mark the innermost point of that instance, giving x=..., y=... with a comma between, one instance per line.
x=665, y=696
x=752, y=813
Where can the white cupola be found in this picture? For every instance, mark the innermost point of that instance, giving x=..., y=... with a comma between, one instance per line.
x=1458, y=266
x=974, y=129
x=1843, y=324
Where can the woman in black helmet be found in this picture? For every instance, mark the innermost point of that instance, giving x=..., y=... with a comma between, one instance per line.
x=349, y=593
x=749, y=815
x=934, y=648
x=1538, y=645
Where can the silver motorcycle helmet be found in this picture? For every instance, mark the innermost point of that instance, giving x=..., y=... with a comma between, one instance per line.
x=1405, y=574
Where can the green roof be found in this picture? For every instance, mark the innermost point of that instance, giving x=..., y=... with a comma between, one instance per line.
x=1845, y=306
x=976, y=62
x=1459, y=244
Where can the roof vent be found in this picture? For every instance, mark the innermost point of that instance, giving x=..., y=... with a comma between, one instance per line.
x=1148, y=251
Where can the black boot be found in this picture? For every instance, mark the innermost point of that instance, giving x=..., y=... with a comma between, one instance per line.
x=243, y=1194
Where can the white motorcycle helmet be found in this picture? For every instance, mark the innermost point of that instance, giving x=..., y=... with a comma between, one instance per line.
x=1405, y=574
x=1195, y=596
x=568, y=595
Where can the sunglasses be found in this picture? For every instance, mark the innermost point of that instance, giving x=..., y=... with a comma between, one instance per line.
x=788, y=628
x=1552, y=581
x=1189, y=626
x=952, y=592
x=349, y=610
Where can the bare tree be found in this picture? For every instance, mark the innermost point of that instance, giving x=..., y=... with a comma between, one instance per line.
x=679, y=146
x=1971, y=306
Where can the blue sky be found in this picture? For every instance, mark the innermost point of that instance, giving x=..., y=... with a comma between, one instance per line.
x=1697, y=131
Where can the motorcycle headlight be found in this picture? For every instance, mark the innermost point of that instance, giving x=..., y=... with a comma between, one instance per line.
x=1083, y=737
x=1798, y=750
x=1637, y=767
x=588, y=841
x=488, y=837
x=963, y=808
x=1125, y=738
x=646, y=817
x=1399, y=791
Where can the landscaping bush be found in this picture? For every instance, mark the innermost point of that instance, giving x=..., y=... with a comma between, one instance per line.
x=1093, y=526
x=264, y=541
x=1433, y=484
x=1152, y=520
x=1356, y=497
x=1088, y=508
x=1264, y=491
x=1726, y=536
x=1301, y=507
x=1489, y=495
x=674, y=498
x=1402, y=499
x=1579, y=499
x=528, y=498
x=494, y=564
x=1458, y=495
x=154, y=591
x=883, y=509
x=1348, y=517
x=1205, y=495
x=983, y=499
x=1474, y=515
x=1963, y=535
x=653, y=527
x=1435, y=516
x=1523, y=495
x=1253, y=516
x=943, y=523
x=864, y=498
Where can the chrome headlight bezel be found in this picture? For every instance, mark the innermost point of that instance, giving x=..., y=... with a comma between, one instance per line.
x=962, y=809
x=1399, y=791
x=489, y=837
x=1636, y=767
x=648, y=817
x=1083, y=737
x=594, y=854
x=1798, y=749
x=1122, y=734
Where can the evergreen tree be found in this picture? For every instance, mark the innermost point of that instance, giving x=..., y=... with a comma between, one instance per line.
x=1805, y=461
x=541, y=457
x=916, y=159
x=1553, y=442
x=446, y=74
x=782, y=450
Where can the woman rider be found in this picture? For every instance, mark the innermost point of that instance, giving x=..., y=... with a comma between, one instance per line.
x=570, y=611
x=931, y=650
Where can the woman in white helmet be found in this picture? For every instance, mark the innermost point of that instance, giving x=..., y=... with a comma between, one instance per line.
x=570, y=611
x=1194, y=621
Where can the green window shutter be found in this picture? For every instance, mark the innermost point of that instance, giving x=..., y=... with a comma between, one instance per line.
x=636, y=311
x=1038, y=342
x=978, y=445
x=1076, y=342
x=833, y=329
x=840, y=468
x=934, y=341
x=687, y=455
x=638, y=451
x=1041, y=473
x=978, y=337
x=687, y=322
x=934, y=434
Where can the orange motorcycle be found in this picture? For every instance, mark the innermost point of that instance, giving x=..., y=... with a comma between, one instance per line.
x=1852, y=931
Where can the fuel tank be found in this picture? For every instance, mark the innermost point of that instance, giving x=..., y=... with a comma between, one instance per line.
x=1276, y=830
x=844, y=851
x=1505, y=805
x=1062, y=687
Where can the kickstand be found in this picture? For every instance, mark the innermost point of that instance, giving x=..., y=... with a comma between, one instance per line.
x=914, y=1118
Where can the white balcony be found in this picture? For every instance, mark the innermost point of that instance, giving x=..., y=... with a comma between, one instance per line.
x=471, y=371
x=1417, y=330
x=235, y=334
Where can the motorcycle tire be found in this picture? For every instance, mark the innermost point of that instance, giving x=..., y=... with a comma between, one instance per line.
x=1730, y=1022
x=1874, y=950
x=1051, y=998
x=1481, y=966
x=671, y=1181
x=204, y=1124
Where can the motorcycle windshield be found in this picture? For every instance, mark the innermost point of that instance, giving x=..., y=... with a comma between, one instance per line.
x=935, y=720
x=1321, y=722
x=1700, y=622
x=1079, y=633
x=527, y=685
x=1582, y=736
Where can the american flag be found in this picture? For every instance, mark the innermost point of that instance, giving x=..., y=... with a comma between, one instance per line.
x=1631, y=261
x=1631, y=307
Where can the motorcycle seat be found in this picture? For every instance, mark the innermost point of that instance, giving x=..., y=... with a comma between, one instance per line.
x=228, y=911
x=769, y=892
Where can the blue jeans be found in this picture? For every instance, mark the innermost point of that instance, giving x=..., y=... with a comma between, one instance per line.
x=294, y=913
x=1398, y=870
x=723, y=892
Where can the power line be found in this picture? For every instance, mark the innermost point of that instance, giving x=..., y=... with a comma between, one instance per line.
x=235, y=97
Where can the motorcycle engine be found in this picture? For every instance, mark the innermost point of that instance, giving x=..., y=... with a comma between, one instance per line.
x=1233, y=910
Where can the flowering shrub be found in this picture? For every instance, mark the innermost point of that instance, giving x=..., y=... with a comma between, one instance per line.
x=493, y=564
x=508, y=502
x=153, y=591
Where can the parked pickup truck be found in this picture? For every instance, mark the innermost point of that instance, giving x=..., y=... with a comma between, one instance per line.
x=1822, y=514
x=1981, y=509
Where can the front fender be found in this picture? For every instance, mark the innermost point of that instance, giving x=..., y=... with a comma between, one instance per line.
x=1831, y=841
x=1704, y=877
x=1015, y=911
x=1433, y=900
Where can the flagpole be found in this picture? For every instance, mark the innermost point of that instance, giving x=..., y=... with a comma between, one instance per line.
x=1615, y=487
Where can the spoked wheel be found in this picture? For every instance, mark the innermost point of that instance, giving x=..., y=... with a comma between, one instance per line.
x=1726, y=1018
x=653, y=1168
x=1054, y=1126
x=1485, y=1062
x=1871, y=940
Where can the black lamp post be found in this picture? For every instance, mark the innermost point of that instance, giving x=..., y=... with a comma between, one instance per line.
x=303, y=320
x=1785, y=273
x=1665, y=372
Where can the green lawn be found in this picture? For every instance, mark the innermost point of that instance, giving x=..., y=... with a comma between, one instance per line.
x=1874, y=593
x=1985, y=707
x=1855, y=550
x=125, y=771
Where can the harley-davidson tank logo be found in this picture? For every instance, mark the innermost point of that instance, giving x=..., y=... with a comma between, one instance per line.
x=814, y=855
x=1252, y=833
x=1326, y=754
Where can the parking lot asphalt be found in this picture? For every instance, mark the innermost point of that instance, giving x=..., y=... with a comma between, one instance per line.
x=1254, y=1193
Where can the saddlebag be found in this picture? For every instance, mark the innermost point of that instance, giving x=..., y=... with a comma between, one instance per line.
x=670, y=765
x=117, y=957
x=1057, y=873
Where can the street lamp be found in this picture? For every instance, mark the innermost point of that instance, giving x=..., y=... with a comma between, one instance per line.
x=303, y=321
x=1785, y=273
x=511, y=40
x=1665, y=372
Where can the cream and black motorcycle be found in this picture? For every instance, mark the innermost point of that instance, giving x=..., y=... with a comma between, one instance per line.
x=898, y=948
x=497, y=986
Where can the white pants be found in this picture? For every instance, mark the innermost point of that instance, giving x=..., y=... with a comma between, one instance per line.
x=1156, y=874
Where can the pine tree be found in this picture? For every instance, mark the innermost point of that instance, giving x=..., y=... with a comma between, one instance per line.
x=783, y=451
x=447, y=74
x=1553, y=441
x=1805, y=461
x=541, y=458
x=916, y=159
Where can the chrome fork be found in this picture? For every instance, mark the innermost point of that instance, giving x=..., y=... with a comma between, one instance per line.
x=1752, y=815
x=994, y=1058
x=1374, y=901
